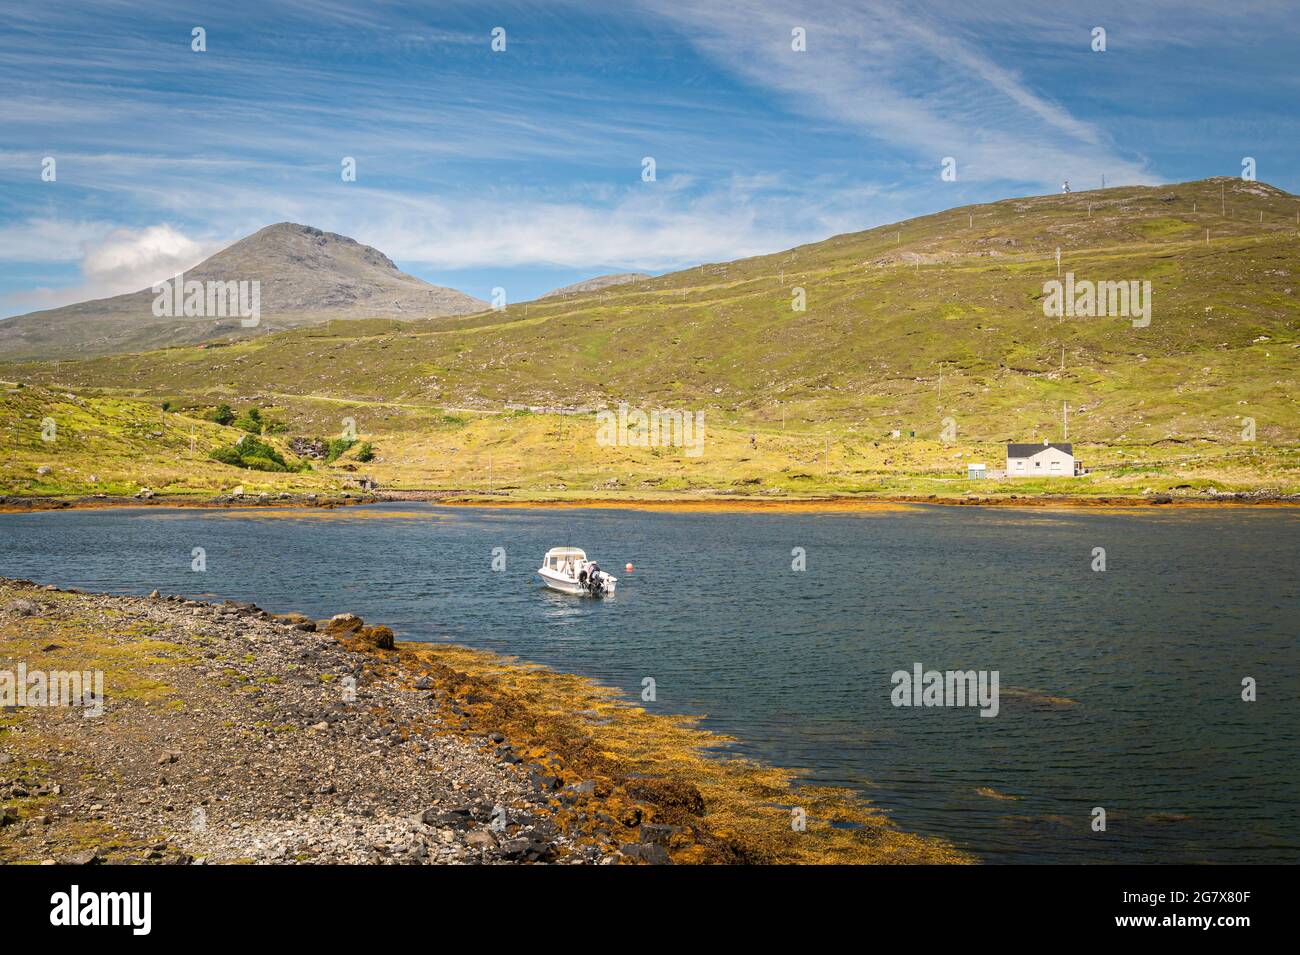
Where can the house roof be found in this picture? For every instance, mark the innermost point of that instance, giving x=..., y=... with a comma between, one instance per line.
x=1029, y=450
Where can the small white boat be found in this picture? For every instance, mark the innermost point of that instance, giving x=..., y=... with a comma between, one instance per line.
x=567, y=570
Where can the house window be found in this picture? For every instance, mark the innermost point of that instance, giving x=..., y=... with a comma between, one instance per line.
x=1038, y=464
x=1056, y=465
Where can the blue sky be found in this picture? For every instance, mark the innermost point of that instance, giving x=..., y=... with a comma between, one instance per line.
x=522, y=168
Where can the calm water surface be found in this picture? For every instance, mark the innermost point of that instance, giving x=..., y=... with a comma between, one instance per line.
x=1119, y=689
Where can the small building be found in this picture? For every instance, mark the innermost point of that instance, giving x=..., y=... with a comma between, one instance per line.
x=976, y=472
x=1042, y=460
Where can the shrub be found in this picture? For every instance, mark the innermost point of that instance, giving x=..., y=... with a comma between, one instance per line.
x=337, y=448
x=250, y=421
x=227, y=455
x=221, y=414
x=365, y=453
x=257, y=462
x=250, y=453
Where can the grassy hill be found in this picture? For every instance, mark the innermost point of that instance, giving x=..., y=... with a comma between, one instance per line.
x=905, y=326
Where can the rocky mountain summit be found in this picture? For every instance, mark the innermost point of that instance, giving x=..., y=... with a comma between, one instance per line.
x=304, y=276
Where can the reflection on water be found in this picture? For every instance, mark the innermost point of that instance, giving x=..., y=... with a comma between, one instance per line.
x=1119, y=689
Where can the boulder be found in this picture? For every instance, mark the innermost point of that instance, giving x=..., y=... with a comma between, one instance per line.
x=344, y=623
x=299, y=621
x=647, y=852
x=659, y=834
x=381, y=637
x=667, y=794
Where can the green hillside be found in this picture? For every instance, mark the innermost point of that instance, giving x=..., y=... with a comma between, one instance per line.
x=905, y=325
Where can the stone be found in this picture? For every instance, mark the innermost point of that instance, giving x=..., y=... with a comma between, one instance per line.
x=646, y=852
x=546, y=783
x=514, y=848
x=668, y=793
x=455, y=817
x=299, y=621
x=382, y=637
x=658, y=833
x=344, y=623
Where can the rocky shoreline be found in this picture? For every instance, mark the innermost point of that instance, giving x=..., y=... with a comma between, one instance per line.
x=229, y=734
x=1259, y=498
x=233, y=735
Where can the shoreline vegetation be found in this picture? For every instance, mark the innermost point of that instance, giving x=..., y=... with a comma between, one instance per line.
x=228, y=735
x=11, y=504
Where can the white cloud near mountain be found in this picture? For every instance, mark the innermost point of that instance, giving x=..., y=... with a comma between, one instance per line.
x=112, y=260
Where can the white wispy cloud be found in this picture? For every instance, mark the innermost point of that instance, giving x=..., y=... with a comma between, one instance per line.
x=905, y=78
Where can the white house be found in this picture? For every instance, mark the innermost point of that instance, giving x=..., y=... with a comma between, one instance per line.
x=1042, y=460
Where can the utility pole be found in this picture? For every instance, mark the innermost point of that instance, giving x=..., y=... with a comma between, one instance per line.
x=1065, y=417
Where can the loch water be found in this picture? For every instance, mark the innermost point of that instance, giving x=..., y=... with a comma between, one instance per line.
x=1119, y=689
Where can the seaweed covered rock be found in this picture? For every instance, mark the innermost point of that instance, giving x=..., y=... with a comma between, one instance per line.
x=380, y=637
x=342, y=624
x=668, y=794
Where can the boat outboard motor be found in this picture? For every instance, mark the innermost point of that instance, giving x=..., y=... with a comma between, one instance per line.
x=595, y=580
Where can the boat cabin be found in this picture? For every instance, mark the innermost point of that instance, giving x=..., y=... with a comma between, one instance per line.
x=565, y=560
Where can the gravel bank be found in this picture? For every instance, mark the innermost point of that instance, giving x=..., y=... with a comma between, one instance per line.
x=232, y=735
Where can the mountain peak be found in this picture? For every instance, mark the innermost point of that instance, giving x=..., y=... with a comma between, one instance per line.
x=305, y=276
x=308, y=245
